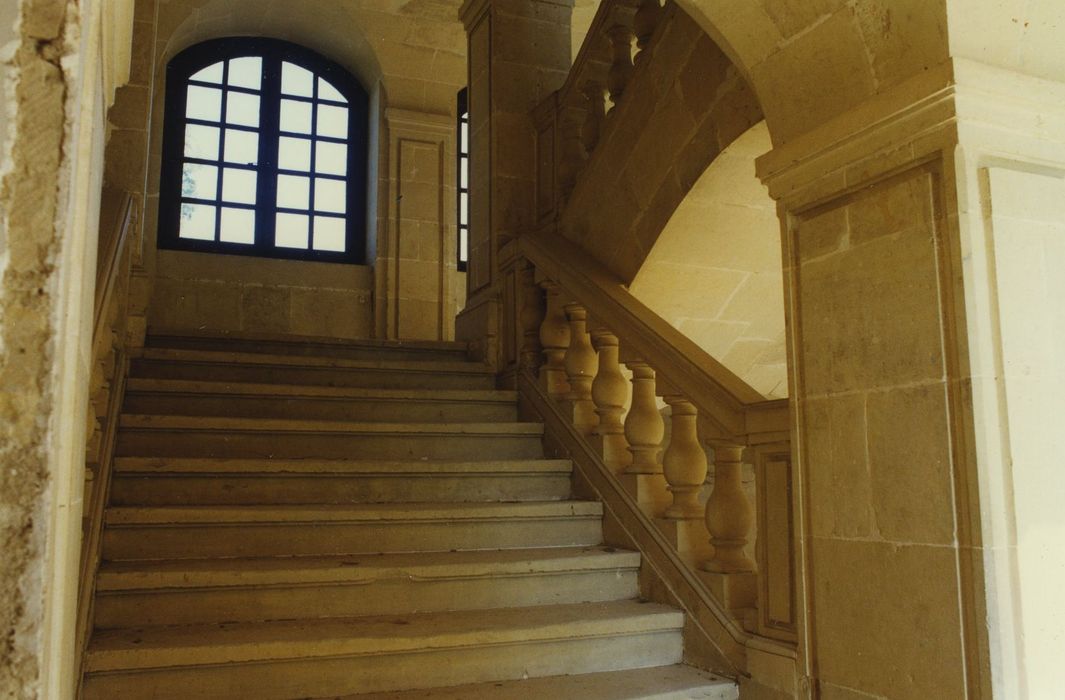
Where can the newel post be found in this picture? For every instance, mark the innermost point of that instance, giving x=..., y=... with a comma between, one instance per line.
x=580, y=362
x=684, y=462
x=554, y=338
x=530, y=318
x=729, y=515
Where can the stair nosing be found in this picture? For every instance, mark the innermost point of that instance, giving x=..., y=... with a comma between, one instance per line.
x=223, y=357
x=143, y=578
x=339, y=637
x=227, y=467
x=171, y=422
x=125, y=516
x=152, y=386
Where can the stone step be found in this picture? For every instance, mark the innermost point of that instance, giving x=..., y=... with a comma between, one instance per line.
x=217, y=436
x=142, y=481
x=311, y=346
x=676, y=682
x=224, y=398
x=186, y=532
x=300, y=658
x=284, y=588
x=258, y=368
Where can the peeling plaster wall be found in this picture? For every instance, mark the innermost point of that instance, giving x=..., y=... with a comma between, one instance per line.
x=48, y=192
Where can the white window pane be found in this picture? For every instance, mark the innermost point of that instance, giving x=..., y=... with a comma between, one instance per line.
x=294, y=154
x=210, y=74
x=464, y=174
x=201, y=142
x=246, y=72
x=465, y=145
x=331, y=195
x=331, y=158
x=242, y=147
x=204, y=103
x=296, y=117
x=332, y=121
x=199, y=181
x=293, y=192
x=238, y=226
x=327, y=92
x=330, y=233
x=238, y=186
x=242, y=109
x=464, y=209
x=197, y=222
x=292, y=231
x=296, y=81
x=464, y=245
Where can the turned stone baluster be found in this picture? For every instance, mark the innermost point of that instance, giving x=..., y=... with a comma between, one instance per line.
x=684, y=462
x=644, y=428
x=621, y=64
x=580, y=363
x=593, y=121
x=729, y=515
x=609, y=392
x=554, y=338
x=644, y=24
x=531, y=316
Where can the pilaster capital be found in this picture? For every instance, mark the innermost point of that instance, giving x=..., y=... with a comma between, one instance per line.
x=472, y=11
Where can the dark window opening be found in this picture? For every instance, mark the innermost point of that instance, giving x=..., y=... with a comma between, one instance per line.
x=264, y=153
x=463, y=138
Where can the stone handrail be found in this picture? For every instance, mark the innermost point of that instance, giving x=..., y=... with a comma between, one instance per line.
x=731, y=407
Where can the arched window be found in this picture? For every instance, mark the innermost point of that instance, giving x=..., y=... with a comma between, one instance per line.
x=264, y=153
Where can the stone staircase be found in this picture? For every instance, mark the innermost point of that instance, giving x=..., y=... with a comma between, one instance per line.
x=324, y=520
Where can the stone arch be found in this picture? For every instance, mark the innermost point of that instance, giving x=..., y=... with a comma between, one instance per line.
x=330, y=30
x=811, y=60
x=715, y=272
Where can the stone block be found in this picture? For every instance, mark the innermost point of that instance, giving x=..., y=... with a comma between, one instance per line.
x=266, y=309
x=896, y=634
x=689, y=538
x=841, y=492
x=734, y=591
x=649, y=490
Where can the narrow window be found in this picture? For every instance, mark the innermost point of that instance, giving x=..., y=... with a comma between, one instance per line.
x=264, y=153
x=463, y=139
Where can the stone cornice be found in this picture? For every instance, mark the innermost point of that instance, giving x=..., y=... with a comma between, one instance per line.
x=419, y=121
x=908, y=122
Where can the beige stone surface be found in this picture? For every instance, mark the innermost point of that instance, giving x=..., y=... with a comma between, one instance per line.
x=715, y=270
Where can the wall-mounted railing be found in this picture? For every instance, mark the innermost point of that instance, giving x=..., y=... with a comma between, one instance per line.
x=118, y=221
x=598, y=357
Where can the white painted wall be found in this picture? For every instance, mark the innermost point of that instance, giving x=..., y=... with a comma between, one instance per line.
x=1028, y=248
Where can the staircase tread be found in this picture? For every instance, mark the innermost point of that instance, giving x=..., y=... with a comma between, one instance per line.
x=147, y=385
x=315, y=361
x=194, y=573
x=341, y=467
x=185, y=645
x=274, y=425
x=677, y=682
x=368, y=512
x=163, y=334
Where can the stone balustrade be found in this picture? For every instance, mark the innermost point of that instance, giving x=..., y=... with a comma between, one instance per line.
x=622, y=418
x=620, y=37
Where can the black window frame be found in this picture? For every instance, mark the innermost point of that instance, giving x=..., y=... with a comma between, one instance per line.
x=462, y=153
x=274, y=53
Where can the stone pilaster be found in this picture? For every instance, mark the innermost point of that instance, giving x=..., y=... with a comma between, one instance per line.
x=895, y=319
x=519, y=53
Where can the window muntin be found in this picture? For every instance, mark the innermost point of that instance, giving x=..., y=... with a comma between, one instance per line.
x=264, y=154
x=463, y=179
